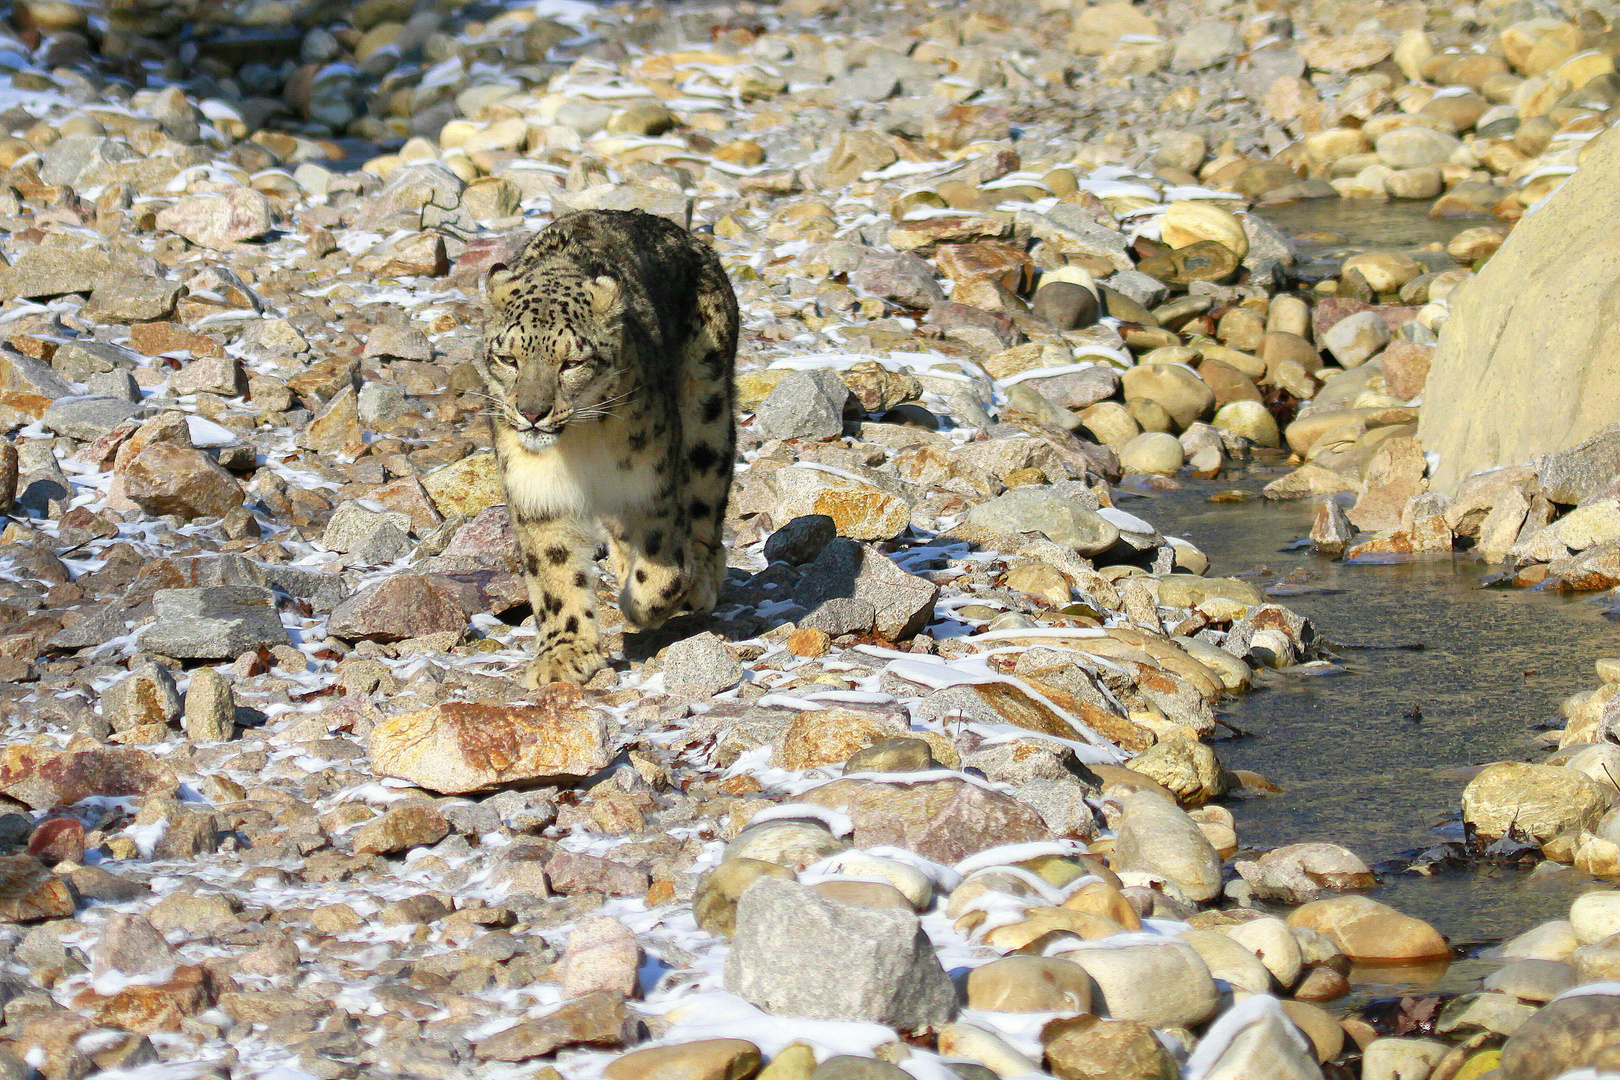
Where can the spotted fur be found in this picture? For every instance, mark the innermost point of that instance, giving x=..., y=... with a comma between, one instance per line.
x=609, y=345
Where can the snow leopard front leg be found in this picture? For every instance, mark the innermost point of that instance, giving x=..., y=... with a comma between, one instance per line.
x=557, y=572
x=653, y=547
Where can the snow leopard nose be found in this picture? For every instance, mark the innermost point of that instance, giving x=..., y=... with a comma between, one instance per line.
x=531, y=417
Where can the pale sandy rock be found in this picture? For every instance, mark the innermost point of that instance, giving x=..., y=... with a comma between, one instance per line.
x=459, y=746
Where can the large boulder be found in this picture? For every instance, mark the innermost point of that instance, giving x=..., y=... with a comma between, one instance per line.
x=1529, y=360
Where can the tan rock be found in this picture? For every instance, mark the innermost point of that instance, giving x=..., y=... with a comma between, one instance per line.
x=1521, y=369
x=1091, y=1048
x=707, y=1059
x=1187, y=222
x=458, y=746
x=830, y=736
x=465, y=487
x=1534, y=801
x=1366, y=930
x=29, y=892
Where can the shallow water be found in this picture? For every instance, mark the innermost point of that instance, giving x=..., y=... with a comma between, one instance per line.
x=1355, y=766
x=1328, y=231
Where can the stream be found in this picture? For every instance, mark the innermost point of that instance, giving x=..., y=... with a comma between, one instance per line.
x=1355, y=766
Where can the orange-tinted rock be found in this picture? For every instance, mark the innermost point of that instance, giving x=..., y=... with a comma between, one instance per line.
x=145, y=1008
x=43, y=778
x=460, y=746
x=29, y=891
x=1366, y=930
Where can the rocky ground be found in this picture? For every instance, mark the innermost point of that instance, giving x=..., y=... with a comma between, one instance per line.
x=933, y=792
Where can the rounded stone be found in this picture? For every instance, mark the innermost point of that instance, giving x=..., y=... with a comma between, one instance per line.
x=1270, y=939
x=793, y=844
x=1535, y=801
x=1187, y=222
x=1160, y=983
x=1153, y=452
x=714, y=905
x=1595, y=915
x=1029, y=984
x=1532, y=980
x=1249, y=419
x=1110, y=423
x=893, y=755
x=1366, y=930
x=1582, y=1030
x=1155, y=837
x=1385, y=271
x=1176, y=389
x=707, y=1059
x=1089, y=1048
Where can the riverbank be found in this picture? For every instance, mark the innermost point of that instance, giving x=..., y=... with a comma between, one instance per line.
x=935, y=786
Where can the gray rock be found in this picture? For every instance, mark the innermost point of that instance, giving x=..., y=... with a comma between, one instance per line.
x=210, y=375
x=89, y=418
x=1204, y=44
x=903, y=603
x=76, y=361
x=42, y=485
x=700, y=667
x=147, y=695
x=380, y=404
x=903, y=278
x=398, y=343
x=1568, y=476
x=73, y=158
x=216, y=623
x=119, y=385
x=1134, y=285
x=419, y=196
x=1056, y=518
x=18, y=372
x=130, y=945
x=841, y=615
x=1071, y=230
x=796, y=953
x=104, y=624
x=132, y=299
x=44, y=270
x=1355, y=338
x=801, y=539
x=323, y=591
x=1065, y=305
x=1268, y=246
x=807, y=405
x=1062, y=805
x=1079, y=389
x=210, y=708
x=352, y=527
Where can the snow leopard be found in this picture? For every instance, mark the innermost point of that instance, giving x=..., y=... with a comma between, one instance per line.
x=610, y=344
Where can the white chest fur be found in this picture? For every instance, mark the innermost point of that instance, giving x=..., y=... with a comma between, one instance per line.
x=579, y=475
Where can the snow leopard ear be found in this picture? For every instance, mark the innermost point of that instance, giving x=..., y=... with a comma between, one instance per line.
x=604, y=294
x=499, y=284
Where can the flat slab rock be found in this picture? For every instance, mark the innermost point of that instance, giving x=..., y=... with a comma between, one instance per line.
x=460, y=746
x=946, y=819
x=215, y=623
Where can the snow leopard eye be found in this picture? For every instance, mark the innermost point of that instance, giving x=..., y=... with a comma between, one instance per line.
x=505, y=358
